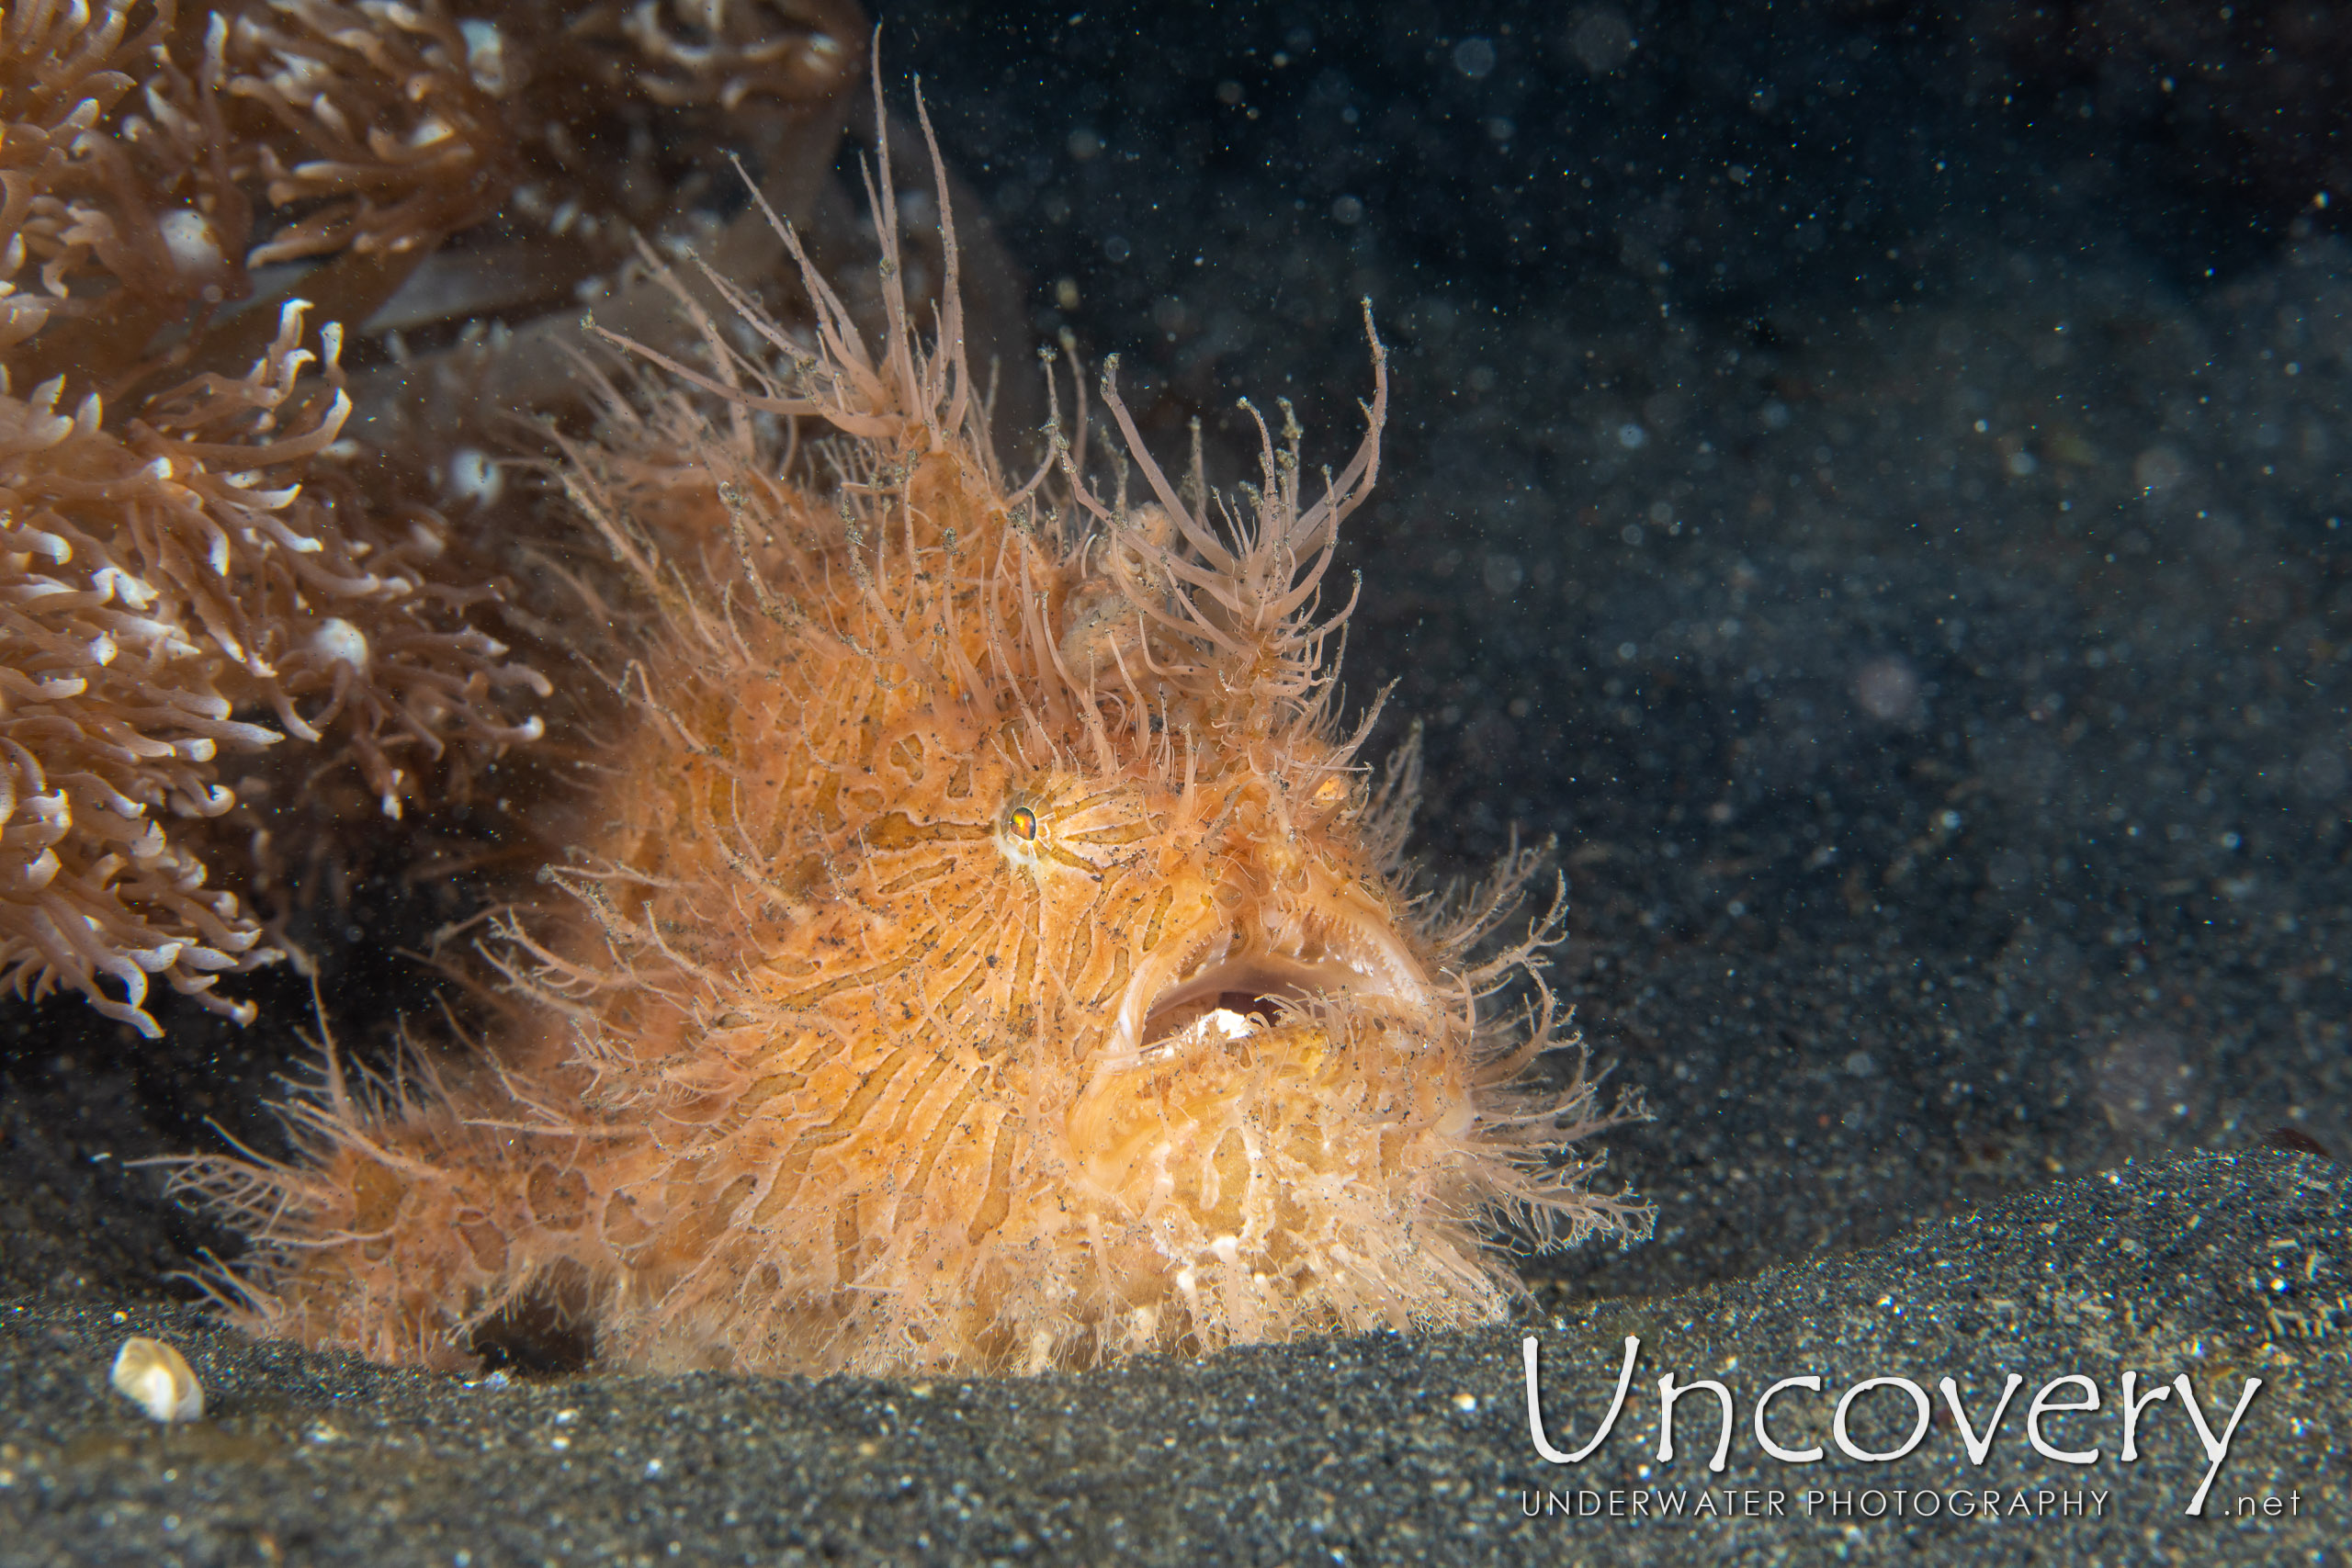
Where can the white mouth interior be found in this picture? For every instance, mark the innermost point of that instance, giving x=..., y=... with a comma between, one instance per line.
x=1216, y=988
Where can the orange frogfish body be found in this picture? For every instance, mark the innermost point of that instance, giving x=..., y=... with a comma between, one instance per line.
x=987, y=951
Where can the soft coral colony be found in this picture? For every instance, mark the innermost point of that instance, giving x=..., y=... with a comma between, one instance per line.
x=981, y=945
x=197, y=560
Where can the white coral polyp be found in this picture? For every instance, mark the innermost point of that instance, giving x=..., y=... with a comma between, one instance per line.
x=193, y=247
x=337, y=640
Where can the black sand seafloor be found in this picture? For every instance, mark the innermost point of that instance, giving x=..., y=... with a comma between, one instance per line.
x=1871, y=483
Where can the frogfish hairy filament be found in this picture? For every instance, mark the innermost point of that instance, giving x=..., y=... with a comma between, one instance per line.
x=987, y=951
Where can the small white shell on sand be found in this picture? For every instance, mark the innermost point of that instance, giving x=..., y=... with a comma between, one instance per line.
x=158, y=1380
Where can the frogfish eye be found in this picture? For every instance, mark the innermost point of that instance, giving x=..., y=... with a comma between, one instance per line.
x=1022, y=823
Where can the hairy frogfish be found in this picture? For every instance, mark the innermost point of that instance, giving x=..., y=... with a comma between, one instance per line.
x=985, y=950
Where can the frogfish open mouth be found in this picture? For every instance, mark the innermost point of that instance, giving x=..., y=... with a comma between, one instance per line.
x=984, y=951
